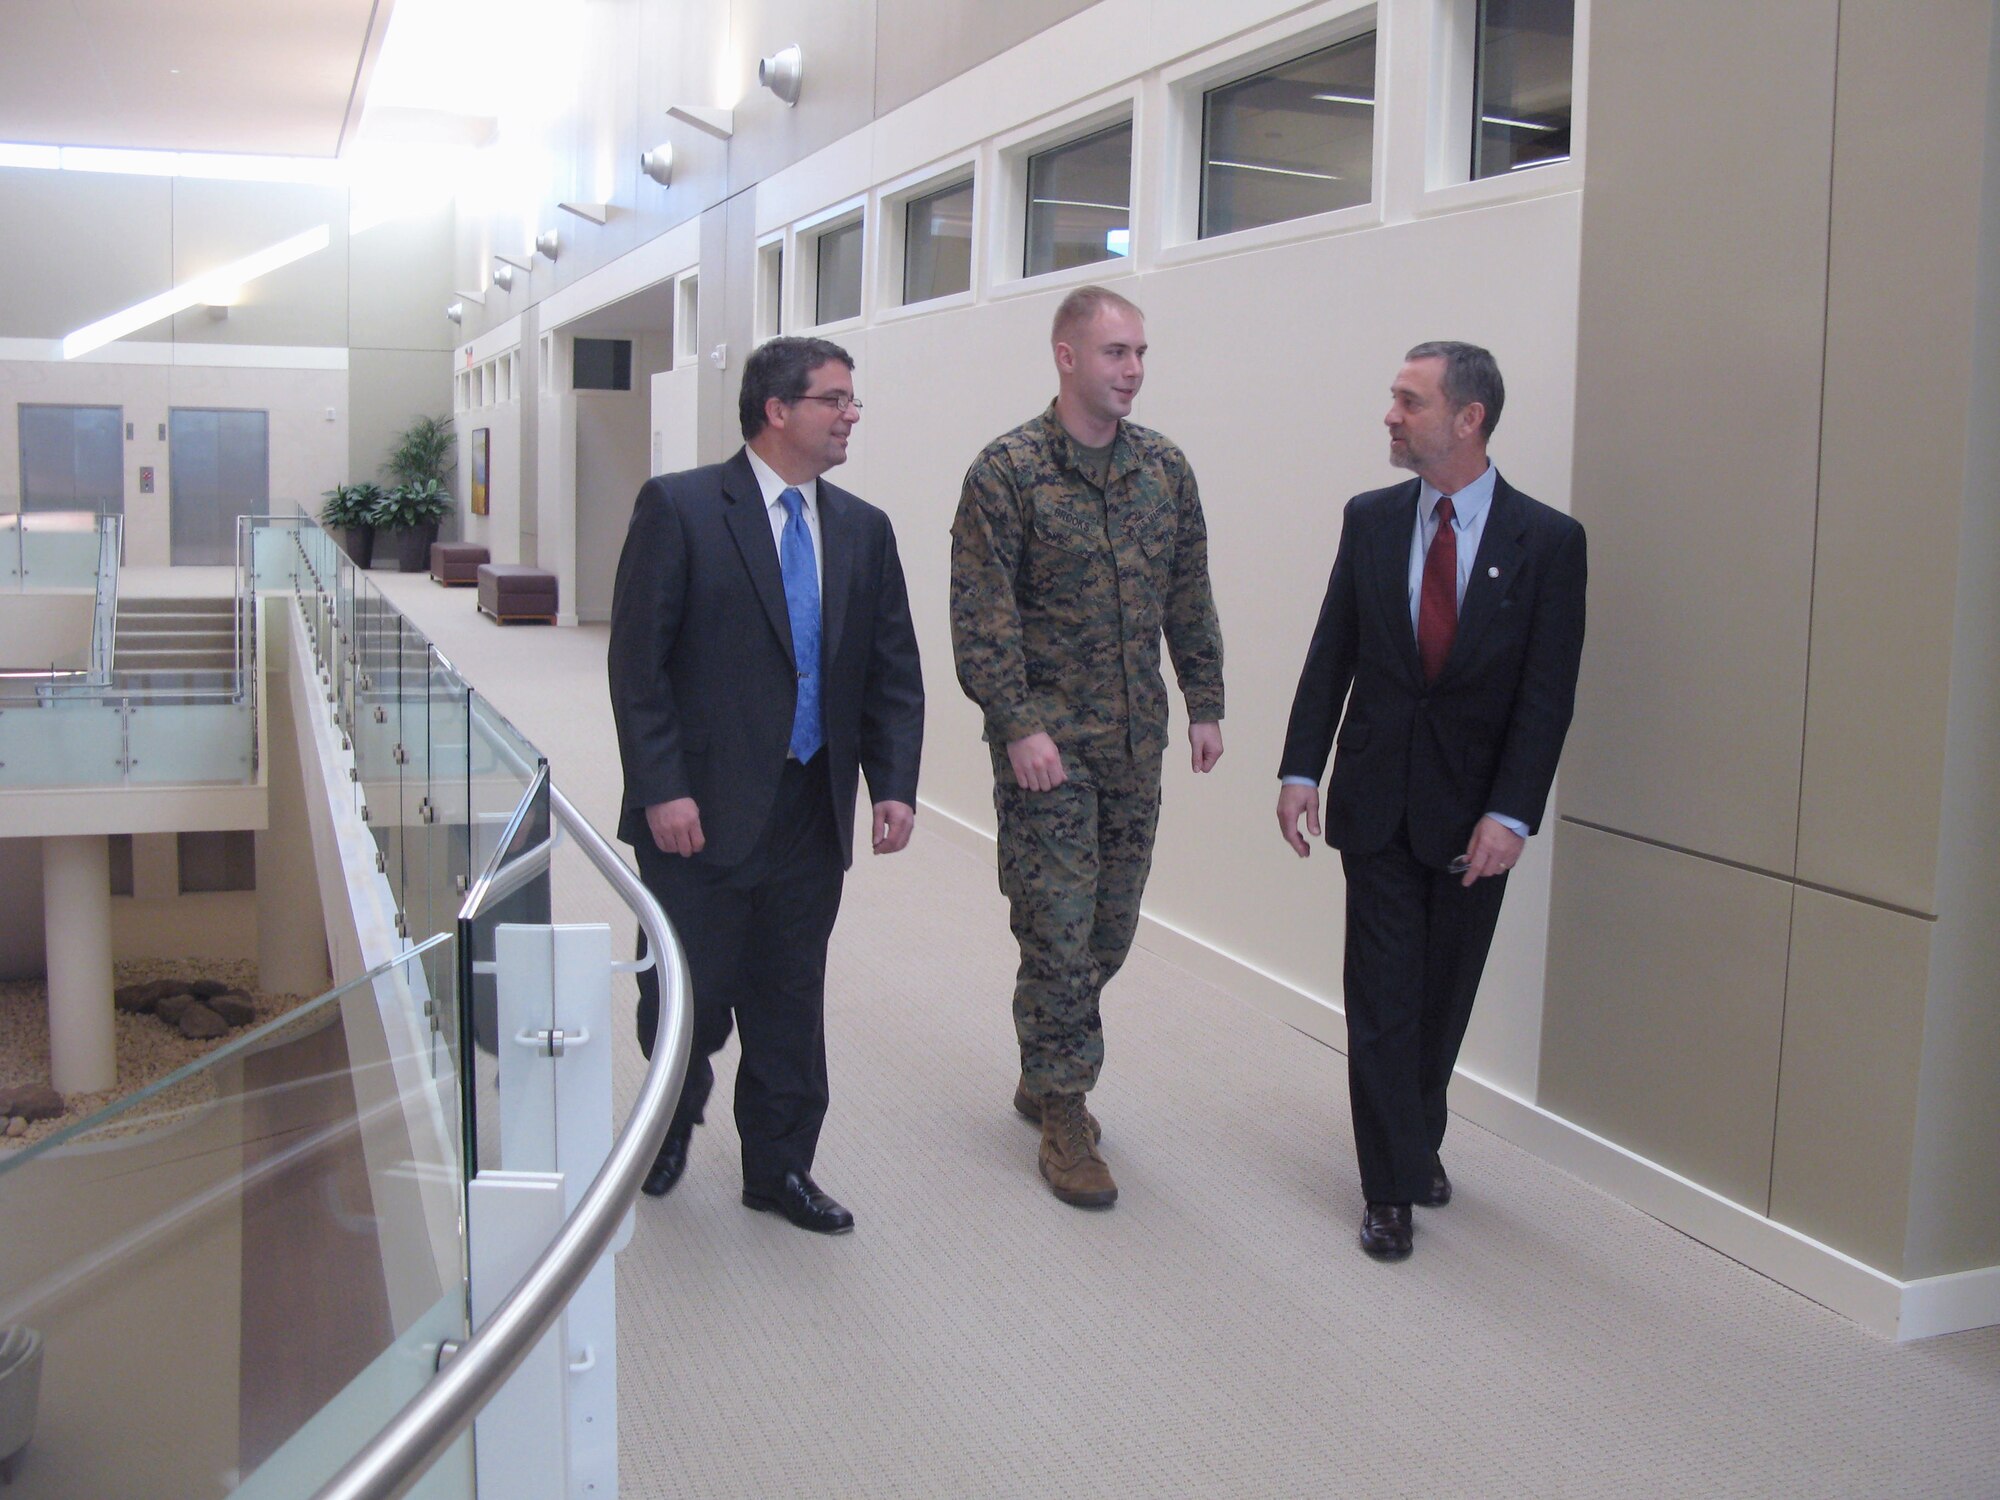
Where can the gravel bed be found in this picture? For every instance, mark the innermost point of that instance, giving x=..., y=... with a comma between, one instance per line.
x=148, y=1049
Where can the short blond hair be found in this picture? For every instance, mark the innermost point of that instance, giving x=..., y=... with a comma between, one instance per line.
x=1079, y=309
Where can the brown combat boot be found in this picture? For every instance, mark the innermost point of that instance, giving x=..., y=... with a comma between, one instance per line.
x=1070, y=1160
x=1030, y=1108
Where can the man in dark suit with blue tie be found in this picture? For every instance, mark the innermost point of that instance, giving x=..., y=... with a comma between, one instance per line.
x=1451, y=631
x=762, y=659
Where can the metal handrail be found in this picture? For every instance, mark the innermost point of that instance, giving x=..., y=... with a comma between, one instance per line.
x=399, y=1455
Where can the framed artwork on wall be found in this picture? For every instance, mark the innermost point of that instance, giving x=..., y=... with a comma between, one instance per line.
x=482, y=438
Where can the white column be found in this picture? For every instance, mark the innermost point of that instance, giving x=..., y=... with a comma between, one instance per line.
x=76, y=922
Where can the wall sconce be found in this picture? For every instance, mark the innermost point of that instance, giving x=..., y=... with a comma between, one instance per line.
x=782, y=72
x=503, y=276
x=454, y=312
x=548, y=243
x=658, y=163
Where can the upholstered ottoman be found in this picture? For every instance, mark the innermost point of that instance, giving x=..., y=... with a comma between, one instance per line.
x=457, y=563
x=511, y=591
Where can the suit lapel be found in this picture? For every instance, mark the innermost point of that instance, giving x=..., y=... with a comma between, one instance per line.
x=1501, y=546
x=1390, y=555
x=836, y=568
x=750, y=526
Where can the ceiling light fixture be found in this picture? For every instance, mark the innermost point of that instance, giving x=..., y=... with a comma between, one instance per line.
x=1515, y=124
x=782, y=73
x=215, y=287
x=1347, y=99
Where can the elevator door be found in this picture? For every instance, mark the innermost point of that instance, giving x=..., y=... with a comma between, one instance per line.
x=220, y=462
x=72, y=458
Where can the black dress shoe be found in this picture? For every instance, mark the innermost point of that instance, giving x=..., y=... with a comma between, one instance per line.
x=667, y=1166
x=1385, y=1230
x=1436, y=1192
x=799, y=1199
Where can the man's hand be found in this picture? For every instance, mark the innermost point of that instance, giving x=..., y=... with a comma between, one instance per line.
x=1495, y=849
x=1293, y=800
x=891, y=825
x=676, y=826
x=1205, y=740
x=1037, y=763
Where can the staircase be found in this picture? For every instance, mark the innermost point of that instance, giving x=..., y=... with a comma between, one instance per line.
x=175, y=635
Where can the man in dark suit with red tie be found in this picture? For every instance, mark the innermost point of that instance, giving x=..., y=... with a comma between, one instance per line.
x=762, y=659
x=1451, y=633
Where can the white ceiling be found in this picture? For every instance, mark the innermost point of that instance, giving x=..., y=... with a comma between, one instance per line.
x=264, y=77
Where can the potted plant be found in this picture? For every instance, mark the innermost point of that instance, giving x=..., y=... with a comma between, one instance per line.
x=421, y=461
x=349, y=513
x=412, y=513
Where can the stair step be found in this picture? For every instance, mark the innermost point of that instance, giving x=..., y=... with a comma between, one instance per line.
x=173, y=661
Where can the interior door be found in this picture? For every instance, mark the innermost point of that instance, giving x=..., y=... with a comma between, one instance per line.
x=73, y=458
x=220, y=463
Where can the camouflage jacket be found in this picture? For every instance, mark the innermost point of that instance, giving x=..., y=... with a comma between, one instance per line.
x=1060, y=592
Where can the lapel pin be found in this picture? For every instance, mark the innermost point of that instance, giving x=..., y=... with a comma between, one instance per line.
x=1492, y=572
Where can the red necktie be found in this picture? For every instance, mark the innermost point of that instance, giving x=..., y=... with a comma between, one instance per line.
x=1437, y=606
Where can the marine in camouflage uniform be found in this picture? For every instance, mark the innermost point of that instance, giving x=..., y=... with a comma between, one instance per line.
x=1063, y=582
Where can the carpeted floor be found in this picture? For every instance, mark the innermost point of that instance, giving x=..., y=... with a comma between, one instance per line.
x=1218, y=1333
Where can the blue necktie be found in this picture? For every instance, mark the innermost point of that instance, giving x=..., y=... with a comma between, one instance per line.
x=795, y=560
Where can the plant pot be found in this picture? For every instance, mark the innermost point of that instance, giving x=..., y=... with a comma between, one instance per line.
x=358, y=542
x=413, y=547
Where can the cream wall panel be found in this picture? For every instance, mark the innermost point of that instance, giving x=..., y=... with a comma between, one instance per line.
x=1666, y=998
x=1912, y=107
x=839, y=91
x=919, y=44
x=386, y=390
x=84, y=244
x=1847, y=1083
x=1698, y=351
x=216, y=222
x=1955, y=1193
x=399, y=283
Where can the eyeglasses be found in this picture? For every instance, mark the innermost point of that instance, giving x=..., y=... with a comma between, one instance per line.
x=840, y=401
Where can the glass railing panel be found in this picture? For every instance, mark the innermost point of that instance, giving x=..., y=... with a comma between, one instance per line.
x=59, y=549
x=299, y=1189
x=67, y=741
x=192, y=743
x=10, y=544
x=378, y=732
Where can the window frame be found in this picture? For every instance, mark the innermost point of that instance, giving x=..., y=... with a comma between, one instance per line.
x=768, y=310
x=1448, y=181
x=892, y=206
x=803, y=272
x=1188, y=83
x=1007, y=243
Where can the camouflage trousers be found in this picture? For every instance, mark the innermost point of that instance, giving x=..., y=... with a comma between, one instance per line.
x=1073, y=865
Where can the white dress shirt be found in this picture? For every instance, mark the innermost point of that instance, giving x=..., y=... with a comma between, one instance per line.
x=773, y=486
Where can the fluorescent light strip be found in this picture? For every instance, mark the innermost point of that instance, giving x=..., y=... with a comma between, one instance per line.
x=1515, y=124
x=1346, y=99
x=1251, y=166
x=1116, y=208
x=214, y=287
x=1540, y=161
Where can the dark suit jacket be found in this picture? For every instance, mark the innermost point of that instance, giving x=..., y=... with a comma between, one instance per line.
x=703, y=684
x=1485, y=736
